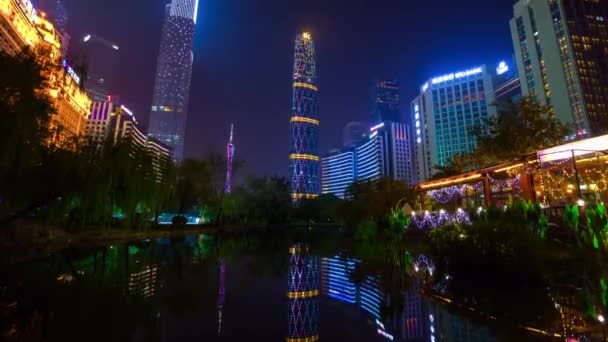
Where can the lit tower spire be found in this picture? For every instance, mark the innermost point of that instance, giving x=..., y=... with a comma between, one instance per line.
x=229, y=157
x=304, y=148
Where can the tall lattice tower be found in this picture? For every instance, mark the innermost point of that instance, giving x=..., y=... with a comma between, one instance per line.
x=303, y=296
x=229, y=157
x=304, y=150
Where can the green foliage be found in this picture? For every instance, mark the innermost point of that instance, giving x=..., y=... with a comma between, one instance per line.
x=366, y=231
x=373, y=201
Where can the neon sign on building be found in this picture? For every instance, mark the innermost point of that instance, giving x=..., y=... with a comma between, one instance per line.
x=71, y=71
x=457, y=75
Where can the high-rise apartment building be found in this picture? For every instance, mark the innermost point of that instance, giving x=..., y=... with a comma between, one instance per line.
x=385, y=105
x=444, y=114
x=304, y=147
x=101, y=58
x=561, y=48
x=173, y=75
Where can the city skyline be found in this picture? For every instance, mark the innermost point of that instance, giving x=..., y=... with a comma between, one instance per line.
x=223, y=80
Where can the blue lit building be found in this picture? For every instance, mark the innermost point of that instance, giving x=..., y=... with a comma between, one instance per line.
x=386, y=153
x=304, y=148
x=443, y=115
x=338, y=172
x=337, y=284
x=336, y=273
x=173, y=75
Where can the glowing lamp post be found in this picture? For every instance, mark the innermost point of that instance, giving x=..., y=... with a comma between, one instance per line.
x=601, y=319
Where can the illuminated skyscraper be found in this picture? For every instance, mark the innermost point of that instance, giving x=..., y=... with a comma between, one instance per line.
x=173, y=75
x=303, y=296
x=443, y=115
x=304, y=147
x=385, y=102
x=561, y=48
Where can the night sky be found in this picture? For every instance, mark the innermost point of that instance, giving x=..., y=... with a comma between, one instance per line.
x=243, y=56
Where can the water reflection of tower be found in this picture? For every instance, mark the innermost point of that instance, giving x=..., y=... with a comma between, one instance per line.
x=221, y=295
x=303, y=296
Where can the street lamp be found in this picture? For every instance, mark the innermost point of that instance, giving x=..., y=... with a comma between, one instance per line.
x=601, y=319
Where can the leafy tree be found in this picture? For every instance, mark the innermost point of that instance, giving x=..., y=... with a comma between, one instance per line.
x=373, y=201
x=25, y=116
x=526, y=128
x=267, y=201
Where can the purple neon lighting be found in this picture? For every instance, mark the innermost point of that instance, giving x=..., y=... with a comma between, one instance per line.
x=229, y=158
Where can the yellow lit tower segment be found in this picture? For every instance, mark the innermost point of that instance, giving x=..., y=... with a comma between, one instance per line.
x=304, y=148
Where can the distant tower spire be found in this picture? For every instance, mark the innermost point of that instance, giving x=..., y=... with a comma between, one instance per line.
x=229, y=157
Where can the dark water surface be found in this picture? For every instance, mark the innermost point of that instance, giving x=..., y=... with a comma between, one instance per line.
x=202, y=288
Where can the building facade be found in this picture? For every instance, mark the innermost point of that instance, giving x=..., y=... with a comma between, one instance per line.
x=20, y=27
x=507, y=85
x=338, y=172
x=304, y=123
x=111, y=123
x=561, y=48
x=444, y=114
x=170, y=98
x=102, y=61
x=385, y=104
x=386, y=153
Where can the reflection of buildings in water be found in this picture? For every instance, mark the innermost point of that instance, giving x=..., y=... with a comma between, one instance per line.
x=446, y=326
x=303, y=296
x=144, y=283
x=337, y=284
x=335, y=273
x=412, y=317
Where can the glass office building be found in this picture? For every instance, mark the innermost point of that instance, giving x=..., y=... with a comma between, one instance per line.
x=173, y=75
x=444, y=113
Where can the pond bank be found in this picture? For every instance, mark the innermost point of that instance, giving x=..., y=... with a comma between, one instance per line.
x=28, y=241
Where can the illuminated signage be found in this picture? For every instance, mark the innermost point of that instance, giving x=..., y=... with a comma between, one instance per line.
x=461, y=74
x=502, y=68
x=115, y=47
x=86, y=38
x=71, y=71
x=377, y=127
